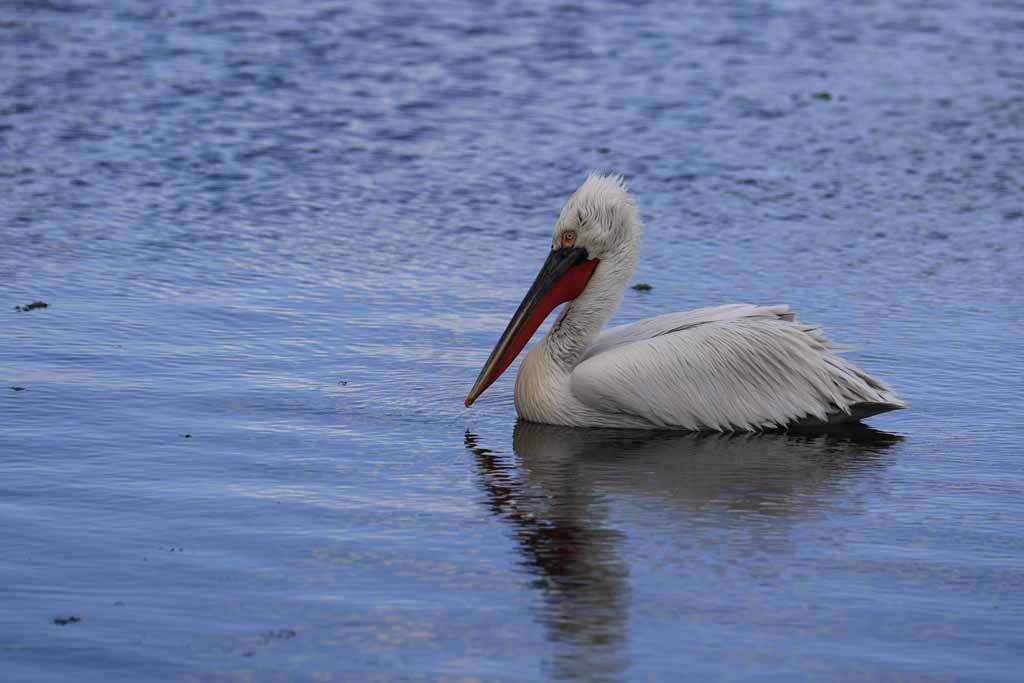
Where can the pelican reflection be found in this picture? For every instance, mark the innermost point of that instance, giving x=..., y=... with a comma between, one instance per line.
x=576, y=498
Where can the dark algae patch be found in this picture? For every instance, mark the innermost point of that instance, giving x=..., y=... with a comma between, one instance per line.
x=32, y=306
x=64, y=621
x=642, y=287
x=823, y=95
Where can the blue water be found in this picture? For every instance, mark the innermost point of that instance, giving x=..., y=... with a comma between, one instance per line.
x=278, y=240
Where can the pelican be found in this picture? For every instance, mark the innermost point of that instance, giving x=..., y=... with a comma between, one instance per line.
x=739, y=367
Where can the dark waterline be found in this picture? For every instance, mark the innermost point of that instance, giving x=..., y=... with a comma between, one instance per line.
x=278, y=240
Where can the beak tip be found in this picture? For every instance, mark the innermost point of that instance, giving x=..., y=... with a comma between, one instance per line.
x=469, y=401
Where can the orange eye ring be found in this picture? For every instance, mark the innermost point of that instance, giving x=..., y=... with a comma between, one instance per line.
x=568, y=238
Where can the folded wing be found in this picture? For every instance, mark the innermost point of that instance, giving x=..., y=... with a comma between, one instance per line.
x=729, y=367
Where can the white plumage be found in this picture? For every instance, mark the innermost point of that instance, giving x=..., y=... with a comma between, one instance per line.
x=727, y=368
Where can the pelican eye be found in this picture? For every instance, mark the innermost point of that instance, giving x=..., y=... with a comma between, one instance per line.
x=568, y=238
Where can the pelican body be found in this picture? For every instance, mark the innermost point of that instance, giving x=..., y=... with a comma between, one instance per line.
x=739, y=367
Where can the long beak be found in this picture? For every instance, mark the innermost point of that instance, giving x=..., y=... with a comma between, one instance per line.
x=563, y=277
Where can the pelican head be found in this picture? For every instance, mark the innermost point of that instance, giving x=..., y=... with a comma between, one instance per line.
x=597, y=226
x=602, y=216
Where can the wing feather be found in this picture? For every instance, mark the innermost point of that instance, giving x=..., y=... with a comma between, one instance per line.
x=730, y=367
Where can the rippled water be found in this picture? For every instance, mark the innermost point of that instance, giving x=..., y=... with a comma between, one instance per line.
x=279, y=239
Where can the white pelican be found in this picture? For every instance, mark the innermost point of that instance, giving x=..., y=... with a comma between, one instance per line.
x=739, y=367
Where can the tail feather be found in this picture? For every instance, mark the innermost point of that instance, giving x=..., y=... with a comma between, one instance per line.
x=858, y=412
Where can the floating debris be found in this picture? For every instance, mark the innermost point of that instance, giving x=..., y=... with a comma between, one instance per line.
x=603, y=150
x=32, y=306
x=17, y=388
x=823, y=95
x=64, y=621
x=279, y=634
x=642, y=287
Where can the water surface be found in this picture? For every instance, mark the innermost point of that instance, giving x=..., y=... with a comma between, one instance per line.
x=278, y=240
